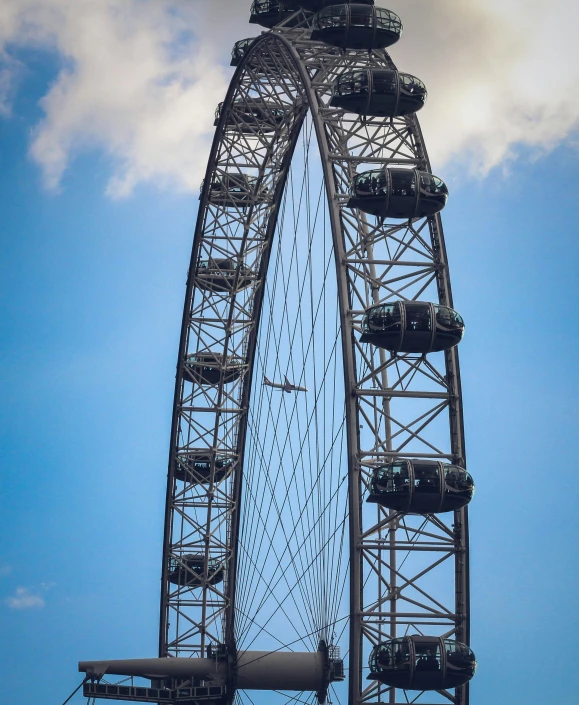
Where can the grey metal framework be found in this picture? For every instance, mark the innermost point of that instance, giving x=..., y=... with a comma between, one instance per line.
x=408, y=573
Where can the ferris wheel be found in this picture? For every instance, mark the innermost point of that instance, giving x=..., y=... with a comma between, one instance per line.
x=316, y=526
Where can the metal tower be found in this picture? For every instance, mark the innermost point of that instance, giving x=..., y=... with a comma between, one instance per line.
x=317, y=492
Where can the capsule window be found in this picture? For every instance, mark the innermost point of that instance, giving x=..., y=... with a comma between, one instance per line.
x=428, y=657
x=394, y=478
x=457, y=319
x=458, y=655
x=427, y=478
x=385, y=317
x=384, y=83
x=353, y=83
x=335, y=16
x=371, y=183
x=394, y=655
x=418, y=317
x=411, y=84
x=432, y=184
x=240, y=48
x=265, y=6
x=427, y=184
x=402, y=658
x=385, y=656
x=403, y=184
x=458, y=479
x=448, y=318
x=386, y=19
x=362, y=16
x=360, y=83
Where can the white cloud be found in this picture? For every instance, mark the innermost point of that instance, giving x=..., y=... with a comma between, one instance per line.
x=135, y=83
x=24, y=599
x=6, y=75
x=501, y=75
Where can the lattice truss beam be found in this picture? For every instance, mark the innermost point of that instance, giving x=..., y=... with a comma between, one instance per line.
x=222, y=320
x=413, y=568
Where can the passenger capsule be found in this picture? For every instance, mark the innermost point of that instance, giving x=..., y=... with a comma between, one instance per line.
x=412, y=327
x=253, y=116
x=195, y=467
x=189, y=571
x=398, y=193
x=212, y=368
x=316, y=5
x=268, y=13
x=422, y=663
x=240, y=49
x=223, y=275
x=378, y=92
x=264, y=65
x=235, y=191
x=421, y=487
x=357, y=26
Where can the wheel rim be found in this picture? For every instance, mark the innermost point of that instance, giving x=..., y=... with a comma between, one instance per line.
x=376, y=261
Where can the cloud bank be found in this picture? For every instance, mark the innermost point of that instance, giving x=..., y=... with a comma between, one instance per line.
x=135, y=83
x=24, y=599
x=140, y=80
x=501, y=76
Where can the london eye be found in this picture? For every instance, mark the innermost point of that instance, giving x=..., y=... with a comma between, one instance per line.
x=316, y=524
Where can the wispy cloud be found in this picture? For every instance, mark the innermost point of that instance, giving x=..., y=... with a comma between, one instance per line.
x=5, y=570
x=501, y=76
x=24, y=599
x=136, y=83
x=141, y=79
x=5, y=91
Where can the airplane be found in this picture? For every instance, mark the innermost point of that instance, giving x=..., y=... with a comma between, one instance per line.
x=287, y=386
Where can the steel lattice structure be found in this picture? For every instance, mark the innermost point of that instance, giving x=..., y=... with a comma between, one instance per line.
x=375, y=261
x=406, y=573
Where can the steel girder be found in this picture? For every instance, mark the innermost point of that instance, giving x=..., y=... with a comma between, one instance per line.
x=408, y=574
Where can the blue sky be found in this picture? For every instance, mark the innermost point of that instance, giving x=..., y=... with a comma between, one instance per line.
x=91, y=298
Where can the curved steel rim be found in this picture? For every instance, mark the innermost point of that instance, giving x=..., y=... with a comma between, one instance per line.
x=349, y=356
